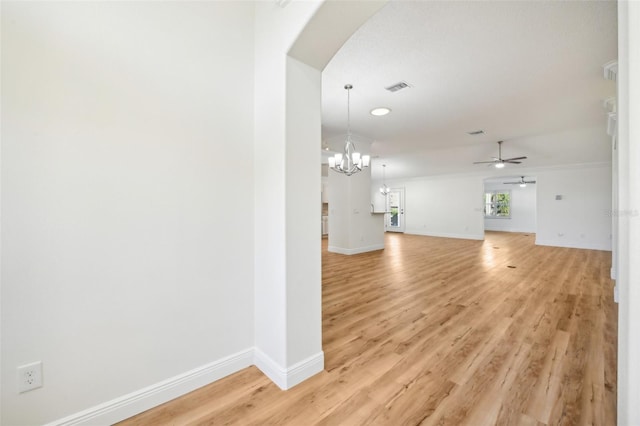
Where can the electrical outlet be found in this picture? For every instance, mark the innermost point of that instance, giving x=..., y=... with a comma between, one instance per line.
x=30, y=377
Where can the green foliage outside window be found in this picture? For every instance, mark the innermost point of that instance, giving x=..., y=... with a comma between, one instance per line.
x=394, y=216
x=497, y=204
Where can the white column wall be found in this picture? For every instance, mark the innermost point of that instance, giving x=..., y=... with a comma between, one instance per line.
x=287, y=143
x=352, y=227
x=276, y=30
x=628, y=271
x=303, y=246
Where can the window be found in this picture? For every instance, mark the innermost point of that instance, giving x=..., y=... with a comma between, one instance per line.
x=497, y=204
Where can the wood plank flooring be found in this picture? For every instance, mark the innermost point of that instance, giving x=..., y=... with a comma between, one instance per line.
x=436, y=331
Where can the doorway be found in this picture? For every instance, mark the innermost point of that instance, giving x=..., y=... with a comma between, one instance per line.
x=510, y=204
x=394, y=219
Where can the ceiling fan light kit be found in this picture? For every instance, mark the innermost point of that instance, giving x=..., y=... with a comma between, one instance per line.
x=351, y=162
x=500, y=162
x=476, y=133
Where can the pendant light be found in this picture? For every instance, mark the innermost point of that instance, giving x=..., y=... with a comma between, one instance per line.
x=351, y=162
x=384, y=189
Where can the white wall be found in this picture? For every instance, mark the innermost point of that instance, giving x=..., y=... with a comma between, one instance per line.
x=523, y=208
x=304, y=287
x=582, y=219
x=352, y=227
x=451, y=206
x=443, y=206
x=127, y=196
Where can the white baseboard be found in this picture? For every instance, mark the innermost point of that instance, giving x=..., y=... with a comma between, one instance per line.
x=515, y=230
x=286, y=378
x=445, y=234
x=574, y=244
x=340, y=250
x=270, y=368
x=136, y=402
x=305, y=369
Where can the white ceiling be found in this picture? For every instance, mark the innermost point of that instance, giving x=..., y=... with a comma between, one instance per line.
x=528, y=73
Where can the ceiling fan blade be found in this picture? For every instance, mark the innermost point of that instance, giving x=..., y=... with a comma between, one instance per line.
x=512, y=183
x=501, y=160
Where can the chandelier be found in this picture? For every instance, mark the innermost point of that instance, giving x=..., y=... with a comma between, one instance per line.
x=384, y=189
x=351, y=162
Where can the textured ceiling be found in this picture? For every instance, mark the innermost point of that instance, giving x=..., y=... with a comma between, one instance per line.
x=528, y=73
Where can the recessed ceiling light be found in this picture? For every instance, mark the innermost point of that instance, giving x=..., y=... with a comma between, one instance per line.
x=380, y=111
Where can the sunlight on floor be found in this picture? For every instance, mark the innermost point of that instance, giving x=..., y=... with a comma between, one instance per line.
x=393, y=253
x=488, y=256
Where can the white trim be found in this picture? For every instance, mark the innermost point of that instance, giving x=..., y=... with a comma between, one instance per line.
x=628, y=241
x=270, y=368
x=514, y=230
x=136, y=402
x=286, y=378
x=340, y=250
x=301, y=371
x=446, y=235
x=129, y=405
x=570, y=244
x=611, y=70
x=612, y=123
x=610, y=105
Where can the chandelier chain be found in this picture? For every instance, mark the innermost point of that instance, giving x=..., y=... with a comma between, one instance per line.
x=348, y=87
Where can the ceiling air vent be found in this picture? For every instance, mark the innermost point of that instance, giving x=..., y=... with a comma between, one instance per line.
x=398, y=86
x=476, y=132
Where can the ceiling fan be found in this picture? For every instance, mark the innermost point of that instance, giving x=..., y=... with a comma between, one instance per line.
x=521, y=182
x=499, y=162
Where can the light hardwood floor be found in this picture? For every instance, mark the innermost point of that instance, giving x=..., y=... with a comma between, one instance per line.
x=437, y=331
